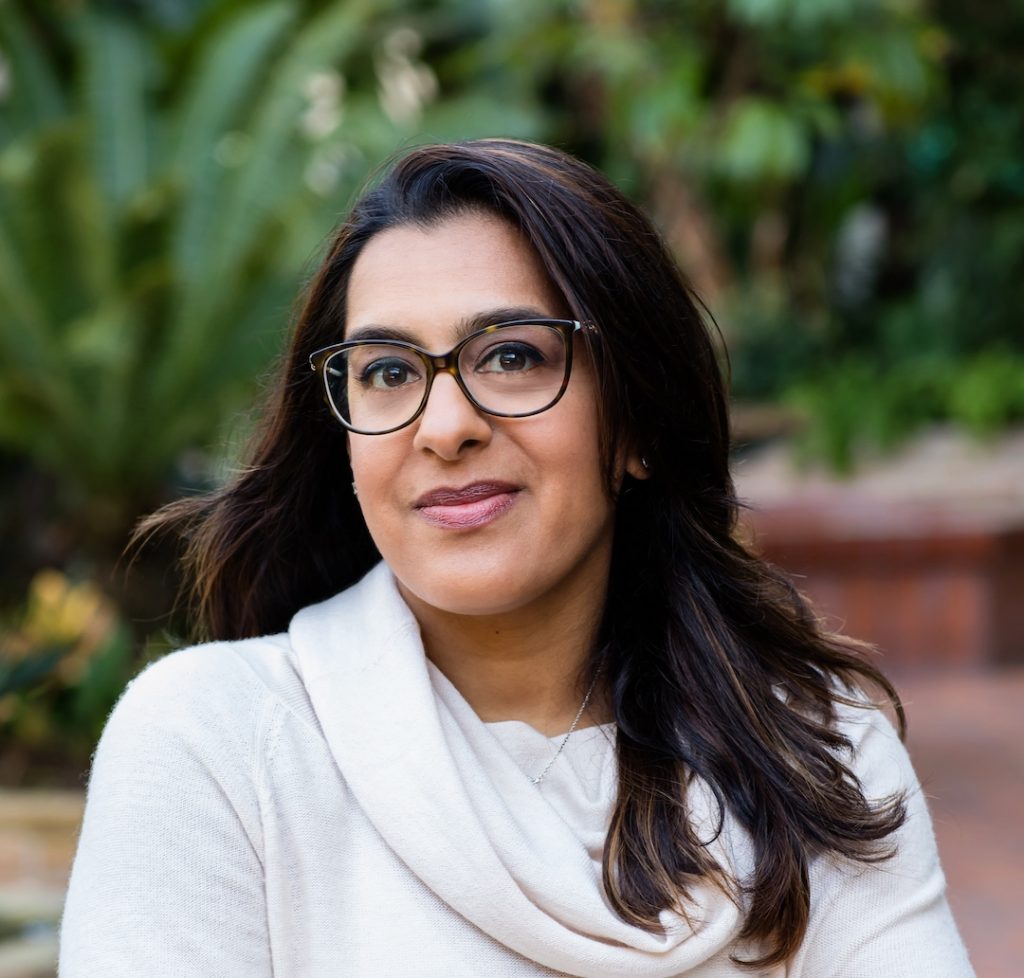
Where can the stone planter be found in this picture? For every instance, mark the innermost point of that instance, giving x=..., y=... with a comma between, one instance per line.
x=927, y=593
x=921, y=555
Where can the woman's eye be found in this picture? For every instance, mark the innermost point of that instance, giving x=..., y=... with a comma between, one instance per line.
x=388, y=374
x=511, y=357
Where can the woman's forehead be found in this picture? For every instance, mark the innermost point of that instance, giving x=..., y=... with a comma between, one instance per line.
x=442, y=281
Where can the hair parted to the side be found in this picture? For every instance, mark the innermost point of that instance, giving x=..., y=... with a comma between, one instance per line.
x=715, y=666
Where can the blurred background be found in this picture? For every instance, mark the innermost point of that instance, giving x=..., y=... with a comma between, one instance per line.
x=842, y=181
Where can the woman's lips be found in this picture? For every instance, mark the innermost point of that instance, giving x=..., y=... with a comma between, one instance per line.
x=470, y=506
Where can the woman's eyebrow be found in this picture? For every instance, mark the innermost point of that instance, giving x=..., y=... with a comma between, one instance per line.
x=465, y=326
x=503, y=314
x=372, y=331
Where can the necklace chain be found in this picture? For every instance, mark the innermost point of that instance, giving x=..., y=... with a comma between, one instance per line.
x=561, y=747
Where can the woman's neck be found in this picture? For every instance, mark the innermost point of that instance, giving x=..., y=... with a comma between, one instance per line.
x=524, y=664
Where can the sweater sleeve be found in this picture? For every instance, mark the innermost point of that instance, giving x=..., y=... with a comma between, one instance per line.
x=168, y=875
x=888, y=918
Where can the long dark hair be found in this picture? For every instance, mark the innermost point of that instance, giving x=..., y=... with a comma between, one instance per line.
x=715, y=666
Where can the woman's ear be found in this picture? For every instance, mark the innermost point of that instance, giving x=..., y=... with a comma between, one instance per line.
x=637, y=466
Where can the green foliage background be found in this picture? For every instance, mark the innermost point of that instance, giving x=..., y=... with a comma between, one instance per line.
x=843, y=180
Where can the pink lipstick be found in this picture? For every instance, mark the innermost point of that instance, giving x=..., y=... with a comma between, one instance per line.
x=468, y=507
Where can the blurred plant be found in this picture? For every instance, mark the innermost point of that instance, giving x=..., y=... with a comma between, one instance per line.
x=934, y=334
x=860, y=406
x=156, y=217
x=62, y=666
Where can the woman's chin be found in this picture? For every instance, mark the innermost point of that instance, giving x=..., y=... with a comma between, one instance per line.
x=465, y=592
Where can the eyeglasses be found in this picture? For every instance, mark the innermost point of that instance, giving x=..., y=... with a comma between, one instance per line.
x=509, y=370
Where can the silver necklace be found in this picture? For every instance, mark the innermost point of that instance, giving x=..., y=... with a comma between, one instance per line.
x=561, y=747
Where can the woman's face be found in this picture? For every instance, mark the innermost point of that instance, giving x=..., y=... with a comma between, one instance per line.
x=475, y=514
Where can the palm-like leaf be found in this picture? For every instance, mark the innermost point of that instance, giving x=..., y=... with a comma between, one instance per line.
x=145, y=275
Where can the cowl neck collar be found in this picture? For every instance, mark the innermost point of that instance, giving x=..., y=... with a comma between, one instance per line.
x=451, y=802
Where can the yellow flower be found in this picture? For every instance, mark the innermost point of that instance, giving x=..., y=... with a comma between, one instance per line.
x=63, y=614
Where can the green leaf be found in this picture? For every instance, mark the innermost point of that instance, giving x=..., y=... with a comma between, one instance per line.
x=212, y=110
x=34, y=98
x=473, y=116
x=797, y=13
x=762, y=141
x=115, y=56
x=268, y=183
x=20, y=674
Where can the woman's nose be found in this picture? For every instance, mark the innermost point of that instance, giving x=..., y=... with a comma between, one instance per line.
x=450, y=422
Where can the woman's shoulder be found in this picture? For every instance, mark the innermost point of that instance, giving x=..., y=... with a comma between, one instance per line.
x=877, y=754
x=207, y=699
x=888, y=916
x=885, y=774
x=210, y=672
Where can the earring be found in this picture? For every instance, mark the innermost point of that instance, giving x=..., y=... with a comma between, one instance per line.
x=355, y=491
x=644, y=464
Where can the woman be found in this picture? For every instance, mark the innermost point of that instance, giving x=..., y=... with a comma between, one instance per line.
x=524, y=705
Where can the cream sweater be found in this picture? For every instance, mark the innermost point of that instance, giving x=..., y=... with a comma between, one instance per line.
x=323, y=803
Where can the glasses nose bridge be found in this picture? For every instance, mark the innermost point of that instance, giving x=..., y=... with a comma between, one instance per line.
x=446, y=363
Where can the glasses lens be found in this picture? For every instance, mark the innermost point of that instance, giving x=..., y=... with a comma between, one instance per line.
x=515, y=369
x=512, y=371
x=377, y=387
